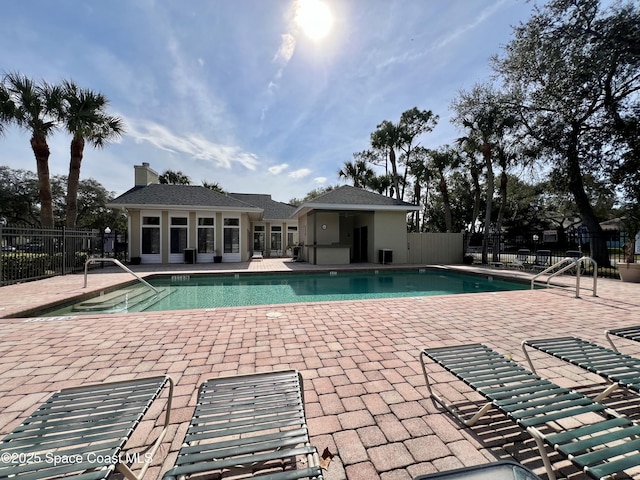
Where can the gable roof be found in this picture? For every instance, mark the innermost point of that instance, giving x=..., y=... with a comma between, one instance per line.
x=165, y=195
x=273, y=210
x=347, y=197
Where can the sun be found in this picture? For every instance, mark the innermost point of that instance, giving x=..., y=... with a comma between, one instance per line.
x=314, y=18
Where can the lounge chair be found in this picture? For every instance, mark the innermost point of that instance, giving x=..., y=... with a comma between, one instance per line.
x=599, y=448
x=542, y=260
x=522, y=259
x=249, y=424
x=619, y=369
x=630, y=333
x=79, y=433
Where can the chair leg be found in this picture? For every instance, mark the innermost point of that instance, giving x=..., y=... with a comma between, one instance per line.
x=608, y=337
x=150, y=452
x=608, y=391
x=543, y=452
x=526, y=355
x=450, y=408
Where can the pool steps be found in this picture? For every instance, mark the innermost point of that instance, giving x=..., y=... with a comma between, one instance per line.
x=120, y=300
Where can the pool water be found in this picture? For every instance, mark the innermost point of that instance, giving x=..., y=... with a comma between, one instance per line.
x=180, y=292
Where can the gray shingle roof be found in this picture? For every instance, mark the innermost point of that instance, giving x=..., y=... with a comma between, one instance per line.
x=348, y=195
x=178, y=195
x=272, y=210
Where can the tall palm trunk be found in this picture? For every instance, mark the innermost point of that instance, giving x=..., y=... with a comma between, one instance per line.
x=446, y=203
x=77, y=150
x=394, y=172
x=42, y=152
x=486, y=154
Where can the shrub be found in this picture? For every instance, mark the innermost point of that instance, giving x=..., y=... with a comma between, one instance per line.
x=21, y=266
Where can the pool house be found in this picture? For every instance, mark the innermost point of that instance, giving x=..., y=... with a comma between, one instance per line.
x=193, y=224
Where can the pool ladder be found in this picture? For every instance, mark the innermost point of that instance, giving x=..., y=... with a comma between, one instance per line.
x=569, y=263
x=120, y=264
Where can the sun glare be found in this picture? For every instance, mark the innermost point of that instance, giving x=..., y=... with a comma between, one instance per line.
x=314, y=18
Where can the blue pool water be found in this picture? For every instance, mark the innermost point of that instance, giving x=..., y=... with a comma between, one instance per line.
x=180, y=292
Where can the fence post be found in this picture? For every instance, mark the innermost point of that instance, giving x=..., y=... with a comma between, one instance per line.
x=64, y=250
x=2, y=253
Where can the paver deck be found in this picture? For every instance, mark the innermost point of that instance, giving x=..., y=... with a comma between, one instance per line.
x=365, y=393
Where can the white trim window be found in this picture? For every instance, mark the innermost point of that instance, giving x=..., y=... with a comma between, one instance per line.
x=206, y=239
x=150, y=238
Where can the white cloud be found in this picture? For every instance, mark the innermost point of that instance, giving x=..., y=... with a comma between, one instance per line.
x=320, y=180
x=224, y=156
x=483, y=16
x=278, y=169
x=300, y=173
x=282, y=58
x=191, y=83
x=286, y=50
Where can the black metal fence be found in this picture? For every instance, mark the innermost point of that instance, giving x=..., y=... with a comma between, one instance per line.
x=575, y=243
x=28, y=253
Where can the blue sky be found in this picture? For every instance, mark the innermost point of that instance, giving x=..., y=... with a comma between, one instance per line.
x=235, y=92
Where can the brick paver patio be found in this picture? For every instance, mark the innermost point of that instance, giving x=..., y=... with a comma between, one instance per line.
x=366, y=397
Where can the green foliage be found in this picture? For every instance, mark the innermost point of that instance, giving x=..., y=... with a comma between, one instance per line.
x=215, y=186
x=19, y=201
x=311, y=195
x=24, y=265
x=174, y=178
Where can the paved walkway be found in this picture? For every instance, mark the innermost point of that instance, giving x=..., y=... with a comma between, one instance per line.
x=365, y=393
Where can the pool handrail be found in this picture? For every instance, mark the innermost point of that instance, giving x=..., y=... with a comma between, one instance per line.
x=570, y=263
x=121, y=265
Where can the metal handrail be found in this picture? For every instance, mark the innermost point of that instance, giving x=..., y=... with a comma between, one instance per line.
x=571, y=263
x=120, y=264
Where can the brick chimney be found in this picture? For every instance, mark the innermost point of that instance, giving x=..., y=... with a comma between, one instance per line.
x=144, y=175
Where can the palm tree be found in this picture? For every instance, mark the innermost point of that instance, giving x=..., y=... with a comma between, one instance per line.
x=33, y=107
x=174, y=178
x=484, y=114
x=358, y=171
x=215, y=186
x=85, y=118
x=6, y=107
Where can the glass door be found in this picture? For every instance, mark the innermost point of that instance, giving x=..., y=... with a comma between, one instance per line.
x=231, y=240
x=178, y=238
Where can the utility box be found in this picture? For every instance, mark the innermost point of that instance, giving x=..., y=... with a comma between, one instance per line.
x=385, y=255
x=190, y=255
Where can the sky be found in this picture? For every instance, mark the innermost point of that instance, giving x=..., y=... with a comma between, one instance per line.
x=245, y=93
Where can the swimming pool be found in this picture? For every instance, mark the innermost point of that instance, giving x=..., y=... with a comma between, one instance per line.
x=179, y=292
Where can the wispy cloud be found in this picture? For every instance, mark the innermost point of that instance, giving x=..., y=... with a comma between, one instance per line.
x=189, y=82
x=278, y=169
x=300, y=173
x=412, y=56
x=320, y=180
x=224, y=156
x=482, y=17
x=286, y=50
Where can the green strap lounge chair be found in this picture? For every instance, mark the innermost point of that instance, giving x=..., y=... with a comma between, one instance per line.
x=619, y=369
x=599, y=448
x=249, y=425
x=630, y=333
x=79, y=433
